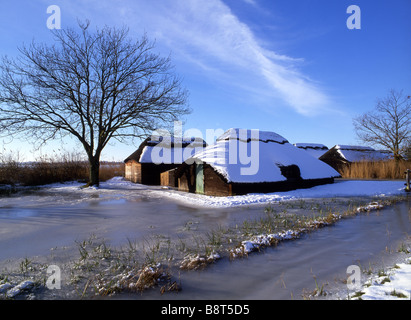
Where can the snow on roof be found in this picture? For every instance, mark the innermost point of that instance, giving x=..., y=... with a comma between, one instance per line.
x=258, y=161
x=360, y=153
x=166, y=155
x=170, y=141
x=356, y=148
x=311, y=146
x=252, y=134
x=167, y=149
x=314, y=149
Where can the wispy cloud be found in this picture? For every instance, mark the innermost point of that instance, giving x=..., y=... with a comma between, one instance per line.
x=253, y=2
x=214, y=35
x=209, y=34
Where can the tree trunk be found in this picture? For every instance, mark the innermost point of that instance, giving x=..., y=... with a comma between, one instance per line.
x=94, y=179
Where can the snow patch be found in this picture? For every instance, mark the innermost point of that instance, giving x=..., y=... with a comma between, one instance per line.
x=266, y=240
x=13, y=291
x=394, y=285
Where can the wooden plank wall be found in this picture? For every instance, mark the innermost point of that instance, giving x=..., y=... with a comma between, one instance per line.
x=214, y=185
x=133, y=171
x=168, y=178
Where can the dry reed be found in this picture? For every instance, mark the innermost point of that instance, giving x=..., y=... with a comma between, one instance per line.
x=45, y=170
x=376, y=170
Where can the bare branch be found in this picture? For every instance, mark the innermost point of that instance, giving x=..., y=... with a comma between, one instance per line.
x=389, y=125
x=93, y=86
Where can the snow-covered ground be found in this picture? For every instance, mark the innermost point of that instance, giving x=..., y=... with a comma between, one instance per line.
x=340, y=188
x=394, y=284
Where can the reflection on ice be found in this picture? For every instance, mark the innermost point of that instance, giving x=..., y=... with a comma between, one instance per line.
x=16, y=213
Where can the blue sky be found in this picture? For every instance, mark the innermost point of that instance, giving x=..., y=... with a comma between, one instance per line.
x=288, y=66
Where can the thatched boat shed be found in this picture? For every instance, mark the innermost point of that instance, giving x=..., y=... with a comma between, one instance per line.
x=159, y=155
x=242, y=162
x=315, y=149
x=340, y=156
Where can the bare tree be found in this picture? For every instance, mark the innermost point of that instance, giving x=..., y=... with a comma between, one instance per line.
x=94, y=86
x=407, y=153
x=389, y=125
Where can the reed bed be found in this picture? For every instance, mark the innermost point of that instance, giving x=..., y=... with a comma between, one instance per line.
x=376, y=169
x=45, y=170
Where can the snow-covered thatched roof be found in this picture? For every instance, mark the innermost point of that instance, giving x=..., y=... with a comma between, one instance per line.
x=249, y=135
x=359, y=153
x=167, y=149
x=314, y=149
x=252, y=156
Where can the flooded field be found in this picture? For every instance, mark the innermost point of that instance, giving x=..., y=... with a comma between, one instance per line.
x=89, y=234
x=294, y=269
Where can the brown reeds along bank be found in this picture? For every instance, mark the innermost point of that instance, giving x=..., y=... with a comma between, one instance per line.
x=47, y=170
x=390, y=169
